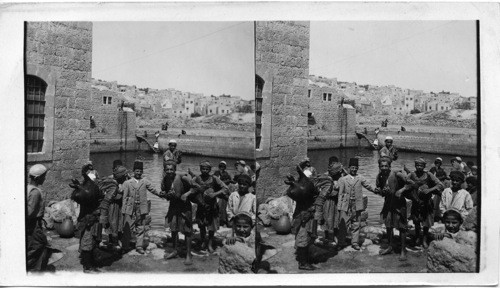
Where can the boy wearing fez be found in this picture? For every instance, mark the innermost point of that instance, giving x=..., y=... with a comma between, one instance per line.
x=135, y=205
x=351, y=203
x=176, y=189
x=209, y=189
x=423, y=185
x=391, y=185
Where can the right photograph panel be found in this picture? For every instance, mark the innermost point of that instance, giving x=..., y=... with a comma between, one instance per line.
x=367, y=142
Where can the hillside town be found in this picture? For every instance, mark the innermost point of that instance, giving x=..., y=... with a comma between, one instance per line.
x=168, y=103
x=389, y=99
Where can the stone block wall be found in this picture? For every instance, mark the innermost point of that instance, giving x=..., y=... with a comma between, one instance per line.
x=60, y=53
x=282, y=61
x=115, y=129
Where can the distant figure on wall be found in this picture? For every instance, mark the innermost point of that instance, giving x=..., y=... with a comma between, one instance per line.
x=403, y=129
x=172, y=153
x=389, y=150
x=92, y=122
x=164, y=126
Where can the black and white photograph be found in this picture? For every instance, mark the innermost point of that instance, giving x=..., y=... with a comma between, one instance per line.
x=139, y=141
x=381, y=136
x=249, y=143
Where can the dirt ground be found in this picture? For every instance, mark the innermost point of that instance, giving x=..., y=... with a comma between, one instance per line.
x=152, y=261
x=328, y=260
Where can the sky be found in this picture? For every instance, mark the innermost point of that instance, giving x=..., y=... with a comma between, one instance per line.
x=423, y=55
x=200, y=57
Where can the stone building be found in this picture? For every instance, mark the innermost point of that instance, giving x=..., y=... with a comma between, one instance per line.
x=58, y=65
x=325, y=114
x=115, y=126
x=282, y=65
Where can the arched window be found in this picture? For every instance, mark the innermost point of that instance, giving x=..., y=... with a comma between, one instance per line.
x=259, y=86
x=35, y=112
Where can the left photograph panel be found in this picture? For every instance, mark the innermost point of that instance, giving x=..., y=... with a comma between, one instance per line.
x=140, y=147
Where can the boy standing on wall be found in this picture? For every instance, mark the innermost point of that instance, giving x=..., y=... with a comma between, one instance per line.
x=172, y=153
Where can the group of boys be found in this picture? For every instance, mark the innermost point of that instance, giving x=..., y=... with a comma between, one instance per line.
x=338, y=201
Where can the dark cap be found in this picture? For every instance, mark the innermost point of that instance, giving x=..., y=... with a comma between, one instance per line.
x=245, y=179
x=354, y=162
x=138, y=165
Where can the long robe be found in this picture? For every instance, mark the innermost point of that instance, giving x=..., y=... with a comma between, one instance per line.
x=37, y=250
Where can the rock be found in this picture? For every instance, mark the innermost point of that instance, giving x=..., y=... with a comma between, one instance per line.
x=224, y=232
x=158, y=237
x=437, y=228
x=73, y=247
x=467, y=238
x=372, y=230
x=158, y=253
x=236, y=258
x=288, y=244
x=373, y=250
x=364, y=216
x=367, y=242
x=58, y=211
x=450, y=256
x=133, y=253
x=470, y=222
x=151, y=246
x=279, y=206
x=263, y=215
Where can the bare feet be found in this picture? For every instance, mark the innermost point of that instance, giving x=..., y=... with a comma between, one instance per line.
x=403, y=257
x=189, y=260
x=386, y=251
x=172, y=255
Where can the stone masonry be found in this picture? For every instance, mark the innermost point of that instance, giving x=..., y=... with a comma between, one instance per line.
x=115, y=129
x=282, y=61
x=60, y=53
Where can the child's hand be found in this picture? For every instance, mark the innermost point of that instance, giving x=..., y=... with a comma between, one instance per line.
x=439, y=236
x=231, y=240
x=399, y=193
x=185, y=196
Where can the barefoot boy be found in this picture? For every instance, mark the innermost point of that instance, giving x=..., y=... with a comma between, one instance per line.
x=391, y=185
x=207, y=214
x=179, y=215
x=423, y=185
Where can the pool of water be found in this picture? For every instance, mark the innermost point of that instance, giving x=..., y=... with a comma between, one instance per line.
x=368, y=167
